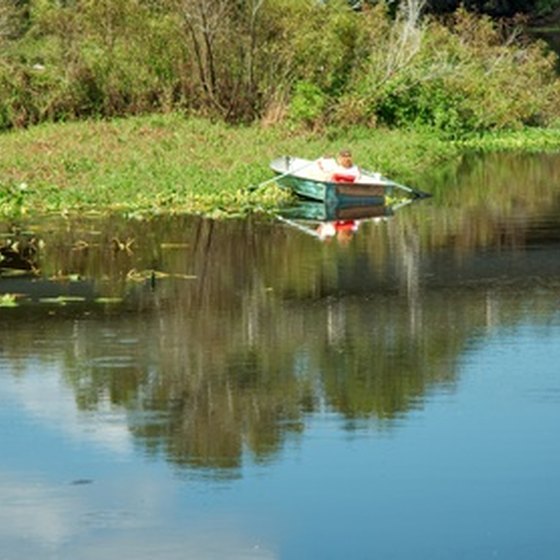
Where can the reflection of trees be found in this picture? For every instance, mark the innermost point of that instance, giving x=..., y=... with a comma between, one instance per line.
x=377, y=369
x=274, y=325
x=488, y=202
x=205, y=385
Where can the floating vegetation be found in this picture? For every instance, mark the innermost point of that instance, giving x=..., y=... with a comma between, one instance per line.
x=80, y=245
x=152, y=275
x=174, y=245
x=527, y=140
x=62, y=300
x=8, y=300
x=66, y=278
x=108, y=300
x=143, y=275
x=12, y=272
x=190, y=177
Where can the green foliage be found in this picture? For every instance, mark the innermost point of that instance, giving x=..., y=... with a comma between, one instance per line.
x=308, y=103
x=424, y=105
x=318, y=64
x=459, y=78
x=168, y=163
x=99, y=58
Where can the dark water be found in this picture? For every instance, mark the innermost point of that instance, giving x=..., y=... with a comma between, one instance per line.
x=181, y=388
x=551, y=37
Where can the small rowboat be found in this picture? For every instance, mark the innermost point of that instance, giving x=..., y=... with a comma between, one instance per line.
x=321, y=220
x=303, y=178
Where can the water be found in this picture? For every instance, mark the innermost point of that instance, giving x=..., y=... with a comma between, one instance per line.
x=181, y=388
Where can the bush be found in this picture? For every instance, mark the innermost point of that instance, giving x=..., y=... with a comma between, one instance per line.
x=100, y=58
x=466, y=76
x=323, y=61
x=308, y=103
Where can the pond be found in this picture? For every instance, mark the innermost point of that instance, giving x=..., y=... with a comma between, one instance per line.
x=179, y=388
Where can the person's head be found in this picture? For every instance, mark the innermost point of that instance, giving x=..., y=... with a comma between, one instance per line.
x=345, y=158
x=344, y=236
x=345, y=230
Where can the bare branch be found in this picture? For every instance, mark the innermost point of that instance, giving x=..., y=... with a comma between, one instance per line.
x=205, y=21
x=407, y=36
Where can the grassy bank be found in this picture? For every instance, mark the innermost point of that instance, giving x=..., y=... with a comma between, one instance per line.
x=167, y=163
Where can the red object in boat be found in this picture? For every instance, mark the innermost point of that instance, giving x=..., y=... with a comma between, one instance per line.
x=343, y=178
x=348, y=225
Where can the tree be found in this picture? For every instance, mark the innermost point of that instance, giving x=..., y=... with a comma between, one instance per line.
x=224, y=38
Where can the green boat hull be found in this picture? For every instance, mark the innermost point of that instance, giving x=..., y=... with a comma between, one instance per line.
x=296, y=175
x=321, y=212
x=336, y=194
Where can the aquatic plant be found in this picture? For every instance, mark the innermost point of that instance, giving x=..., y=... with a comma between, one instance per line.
x=168, y=163
x=8, y=300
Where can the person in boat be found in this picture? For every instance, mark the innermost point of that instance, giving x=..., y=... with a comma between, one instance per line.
x=344, y=230
x=339, y=169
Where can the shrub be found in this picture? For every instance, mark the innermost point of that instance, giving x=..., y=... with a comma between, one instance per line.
x=308, y=103
x=325, y=62
x=467, y=76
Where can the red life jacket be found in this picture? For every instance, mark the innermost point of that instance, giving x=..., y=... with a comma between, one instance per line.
x=343, y=178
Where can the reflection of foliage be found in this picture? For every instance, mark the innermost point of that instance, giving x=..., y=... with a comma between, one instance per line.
x=379, y=369
x=488, y=202
x=212, y=415
x=273, y=325
x=8, y=300
x=19, y=255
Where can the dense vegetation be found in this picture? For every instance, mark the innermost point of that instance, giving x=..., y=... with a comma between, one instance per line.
x=150, y=164
x=394, y=80
x=301, y=62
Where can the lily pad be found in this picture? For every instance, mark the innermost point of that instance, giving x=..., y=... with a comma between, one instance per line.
x=108, y=300
x=8, y=300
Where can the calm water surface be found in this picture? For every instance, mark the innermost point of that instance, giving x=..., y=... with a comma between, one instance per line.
x=181, y=388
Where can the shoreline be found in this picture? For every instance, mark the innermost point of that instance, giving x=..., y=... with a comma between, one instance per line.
x=158, y=164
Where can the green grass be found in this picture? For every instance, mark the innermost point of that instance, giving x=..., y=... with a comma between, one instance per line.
x=171, y=164
x=527, y=141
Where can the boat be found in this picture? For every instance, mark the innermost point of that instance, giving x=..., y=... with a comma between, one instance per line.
x=323, y=221
x=304, y=179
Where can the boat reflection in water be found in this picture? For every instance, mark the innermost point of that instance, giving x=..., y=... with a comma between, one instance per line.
x=326, y=222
